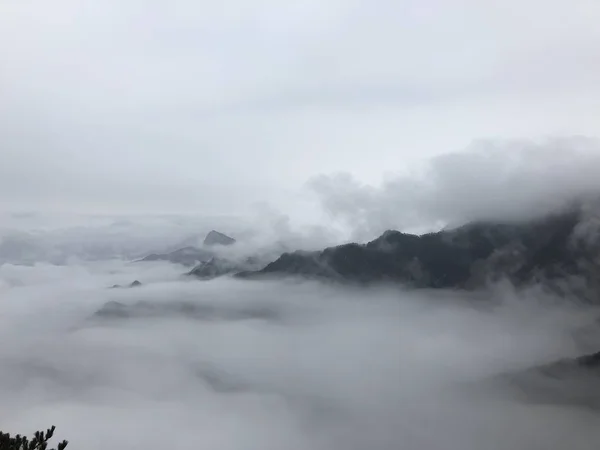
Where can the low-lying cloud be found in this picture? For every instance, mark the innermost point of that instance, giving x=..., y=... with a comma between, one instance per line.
x=275, y=364
x=489, y=180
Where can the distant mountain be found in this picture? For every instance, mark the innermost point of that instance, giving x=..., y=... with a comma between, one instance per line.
x=180, y=308
x=217, y=267
x=187, y=256
x=190, y=255
x=556, y=247
x=135, y=283
x=217, y=238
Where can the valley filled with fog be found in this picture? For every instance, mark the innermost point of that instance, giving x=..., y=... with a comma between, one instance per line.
x=108, y=334
x=233, y=364
x=316, y=225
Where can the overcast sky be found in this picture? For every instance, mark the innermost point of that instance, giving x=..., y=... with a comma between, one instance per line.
x=179, y=106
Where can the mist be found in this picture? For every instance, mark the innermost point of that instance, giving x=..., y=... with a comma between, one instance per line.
x=132, y=128
x=66, y=238
x=229, y=364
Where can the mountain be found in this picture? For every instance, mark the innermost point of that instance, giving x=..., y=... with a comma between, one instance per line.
x=571, y=381
x=190, y=255
x=217, y=238
x=216, y=267
x=133, y=284
x=556, y=247
x=187, y=256
x=180, y=308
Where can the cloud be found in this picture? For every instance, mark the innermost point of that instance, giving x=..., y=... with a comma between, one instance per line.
x=489, y=180
x=30, y=238
x=129, y=106
x=142, y=108
x=324, y=369
x=61, y=238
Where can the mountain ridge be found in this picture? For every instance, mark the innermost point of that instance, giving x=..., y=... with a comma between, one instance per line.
x=466, y=257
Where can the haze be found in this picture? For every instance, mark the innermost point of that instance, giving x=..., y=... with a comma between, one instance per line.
x=276, y=365
x=129, y=128
x=128, y=106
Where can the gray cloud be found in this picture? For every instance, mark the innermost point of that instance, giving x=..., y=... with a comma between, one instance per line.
x=137, y=106
x=492, y=180
x=130, y=113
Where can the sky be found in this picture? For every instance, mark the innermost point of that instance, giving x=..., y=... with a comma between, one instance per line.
x=358, y=115
x=214, y=107
x=499, y=181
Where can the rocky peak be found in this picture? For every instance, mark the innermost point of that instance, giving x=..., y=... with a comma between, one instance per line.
x=217, y=238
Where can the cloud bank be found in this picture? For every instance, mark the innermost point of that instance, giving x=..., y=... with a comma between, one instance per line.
x=489, y=180
x=233, y=365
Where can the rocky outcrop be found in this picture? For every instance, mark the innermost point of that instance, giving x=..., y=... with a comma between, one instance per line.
x=217, y=238
x=133, y=284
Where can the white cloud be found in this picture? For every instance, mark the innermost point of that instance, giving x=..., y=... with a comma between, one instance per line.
x=317, y=367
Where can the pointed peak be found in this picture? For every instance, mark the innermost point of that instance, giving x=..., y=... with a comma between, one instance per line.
x=218, y=238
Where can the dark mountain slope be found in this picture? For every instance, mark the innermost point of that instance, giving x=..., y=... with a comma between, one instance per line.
x=217, y=238
x=466, y=257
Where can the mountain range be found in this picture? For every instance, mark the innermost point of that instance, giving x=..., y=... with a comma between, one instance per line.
x=559, y=249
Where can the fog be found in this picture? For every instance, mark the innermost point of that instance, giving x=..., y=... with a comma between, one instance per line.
x=61, y=238
x=129, y=128
x=252, y=365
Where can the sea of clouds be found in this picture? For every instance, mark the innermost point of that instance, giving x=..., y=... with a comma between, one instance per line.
x=241, y=365
x=248, y=365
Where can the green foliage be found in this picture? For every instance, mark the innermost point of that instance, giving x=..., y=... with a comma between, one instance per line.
x=39, y=441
